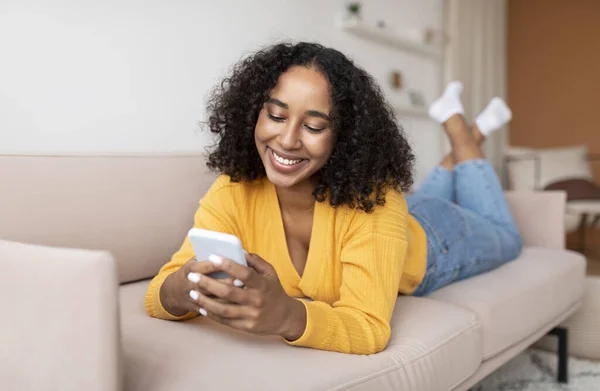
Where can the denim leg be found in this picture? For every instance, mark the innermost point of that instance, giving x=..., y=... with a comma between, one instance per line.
x=478, y=190
x=460, y=243
x=439, y=183
x=476, y=235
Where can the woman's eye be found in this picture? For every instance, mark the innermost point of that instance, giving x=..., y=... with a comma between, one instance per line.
x=275, y=118
x=313, y=130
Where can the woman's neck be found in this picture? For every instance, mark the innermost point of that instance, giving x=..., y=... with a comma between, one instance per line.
x=298, y=198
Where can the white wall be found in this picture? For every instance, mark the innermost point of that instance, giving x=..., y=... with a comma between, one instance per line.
x=133, y=75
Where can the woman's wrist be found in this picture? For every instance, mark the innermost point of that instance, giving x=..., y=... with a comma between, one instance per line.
x=165, y=298
x=294, y=324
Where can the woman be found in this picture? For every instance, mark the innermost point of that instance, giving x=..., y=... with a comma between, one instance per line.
x=313, y=167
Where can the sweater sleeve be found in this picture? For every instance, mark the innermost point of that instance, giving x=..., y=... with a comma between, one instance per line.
x=359, y=321
x=213, y=214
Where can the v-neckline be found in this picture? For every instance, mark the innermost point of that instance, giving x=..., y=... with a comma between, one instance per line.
x=281, y=243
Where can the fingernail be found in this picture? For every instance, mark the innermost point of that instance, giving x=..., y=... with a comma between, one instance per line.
x=202, y=312
x=217, y=260
x=194, y=277
x=194, y=295
x=238, y=283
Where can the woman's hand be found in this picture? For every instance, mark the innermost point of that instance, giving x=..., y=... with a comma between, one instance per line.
x=261, y=306
x=175, y=290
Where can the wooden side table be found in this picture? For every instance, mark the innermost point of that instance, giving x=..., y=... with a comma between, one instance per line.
x=589, y=212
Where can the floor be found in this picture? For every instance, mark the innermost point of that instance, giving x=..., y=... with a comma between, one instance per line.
x=535, y=370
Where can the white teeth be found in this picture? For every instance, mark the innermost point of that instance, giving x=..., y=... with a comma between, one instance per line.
x=287, y=162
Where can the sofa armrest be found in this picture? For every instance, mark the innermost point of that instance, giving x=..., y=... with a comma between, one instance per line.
x=540, y=217
x=59, y=326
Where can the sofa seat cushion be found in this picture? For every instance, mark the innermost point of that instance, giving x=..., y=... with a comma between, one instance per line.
x=434, y=346
x=521, y=297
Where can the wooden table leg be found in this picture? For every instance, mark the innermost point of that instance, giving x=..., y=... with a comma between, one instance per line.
x=595, y=221
x=582, y=229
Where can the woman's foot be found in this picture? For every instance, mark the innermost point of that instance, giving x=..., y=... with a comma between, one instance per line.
x=448, y=104
x=495, y=115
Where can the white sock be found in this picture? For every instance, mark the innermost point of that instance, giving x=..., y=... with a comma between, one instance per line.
x=495, y=115
x=448, y=104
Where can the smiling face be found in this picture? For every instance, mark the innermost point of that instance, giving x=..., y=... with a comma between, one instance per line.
x=293, y=134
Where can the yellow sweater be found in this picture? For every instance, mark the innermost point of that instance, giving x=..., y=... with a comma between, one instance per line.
x=356, y=265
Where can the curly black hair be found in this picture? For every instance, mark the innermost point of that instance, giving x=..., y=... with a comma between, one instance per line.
x=371, y=154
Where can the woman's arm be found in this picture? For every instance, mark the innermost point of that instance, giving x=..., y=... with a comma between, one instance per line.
x=359, y=322
x=212, y=214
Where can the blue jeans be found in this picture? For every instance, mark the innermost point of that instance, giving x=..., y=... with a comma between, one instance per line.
x=470, y=229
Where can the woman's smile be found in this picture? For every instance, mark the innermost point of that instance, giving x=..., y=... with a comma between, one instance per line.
x=285, y=164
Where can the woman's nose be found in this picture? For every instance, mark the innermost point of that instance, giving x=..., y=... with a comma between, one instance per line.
x=290, y=137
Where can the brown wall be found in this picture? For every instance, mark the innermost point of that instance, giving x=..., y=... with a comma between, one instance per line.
x=554, y=73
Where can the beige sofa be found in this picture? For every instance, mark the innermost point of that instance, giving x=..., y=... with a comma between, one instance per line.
x=94, y=222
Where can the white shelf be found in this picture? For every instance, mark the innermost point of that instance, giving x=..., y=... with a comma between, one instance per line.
x=382, y=35
x=410, y=111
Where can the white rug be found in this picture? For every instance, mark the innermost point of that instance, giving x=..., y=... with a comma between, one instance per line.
x=535, y=370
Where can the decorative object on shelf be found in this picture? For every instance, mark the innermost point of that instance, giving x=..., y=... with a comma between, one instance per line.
x=396, y=80
x=353, y=11
x=381, y=24
x=416, y=98
x=434, y=37
x=400, y=41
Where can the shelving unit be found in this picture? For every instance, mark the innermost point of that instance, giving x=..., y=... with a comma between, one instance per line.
x=390, y=38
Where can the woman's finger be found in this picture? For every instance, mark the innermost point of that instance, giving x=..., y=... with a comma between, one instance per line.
x=238, y=324
x=195, y=271
x=223, y=291
x=208, y=267
x=260, y=265
x=223, y=310
x=191, y=305
x=242, y=275
x=204, y=267
x=226, y=281
x=199, y=269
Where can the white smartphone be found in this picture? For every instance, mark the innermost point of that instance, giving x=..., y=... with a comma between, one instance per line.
x=205, y=243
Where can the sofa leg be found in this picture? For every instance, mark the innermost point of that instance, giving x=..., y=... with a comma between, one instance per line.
x=563, y=353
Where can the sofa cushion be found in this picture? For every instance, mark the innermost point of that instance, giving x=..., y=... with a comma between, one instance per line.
x=59, y=324
x=137, y=207
x=199, y=354
x=521, y=297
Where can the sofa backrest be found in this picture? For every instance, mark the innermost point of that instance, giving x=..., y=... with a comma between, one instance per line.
x=140, y=207
x=137, y=207
x=540, y=217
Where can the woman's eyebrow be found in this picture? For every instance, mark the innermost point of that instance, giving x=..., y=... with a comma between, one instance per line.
x=311, y=113
x=315, y=113
x=277, y=102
